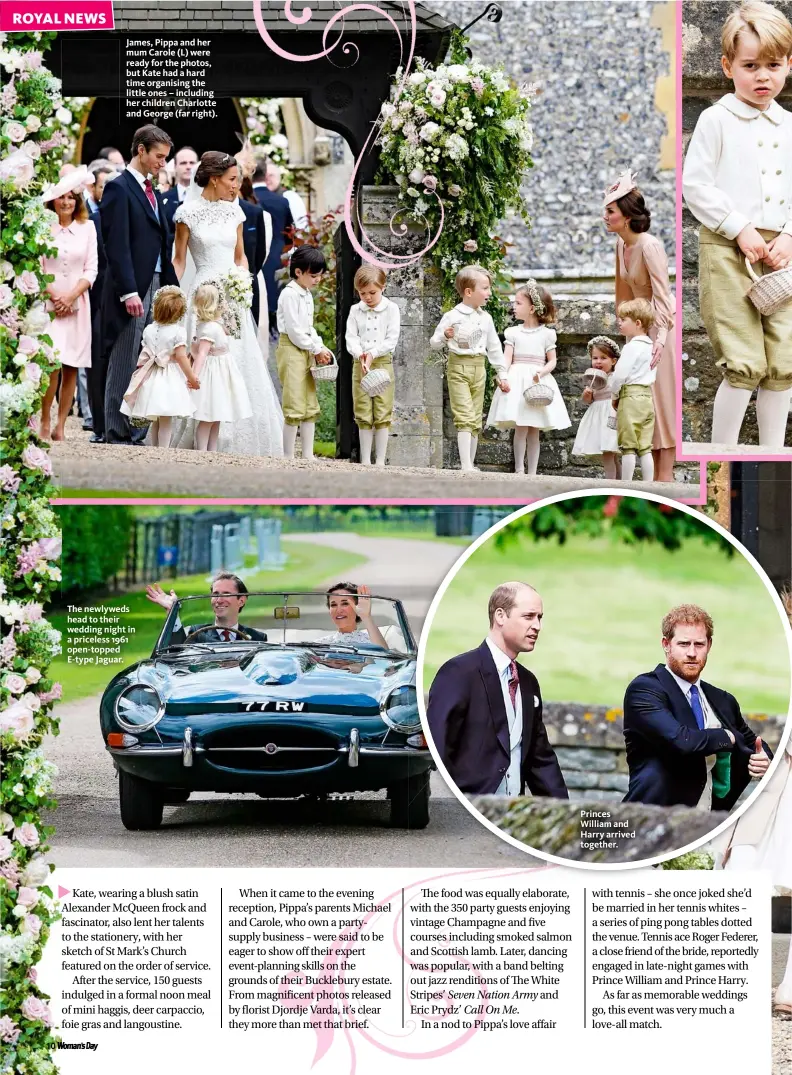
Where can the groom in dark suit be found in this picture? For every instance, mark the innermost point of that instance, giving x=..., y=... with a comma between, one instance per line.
x=687, y=741
x=229, y=597
x=485, y=709
x=137, y=242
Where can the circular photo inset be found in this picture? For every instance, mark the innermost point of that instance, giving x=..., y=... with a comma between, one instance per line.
x=605, y=679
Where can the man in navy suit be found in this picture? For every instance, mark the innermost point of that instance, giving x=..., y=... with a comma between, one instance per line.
x=677, y=727
x=254, y=236
x=96, y=382
x=185, y=162
x=485, y=709
x=282, y=230
x=137, y=243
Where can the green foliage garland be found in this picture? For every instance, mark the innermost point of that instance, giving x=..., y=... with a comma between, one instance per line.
x=31, y=147
x=459, y=133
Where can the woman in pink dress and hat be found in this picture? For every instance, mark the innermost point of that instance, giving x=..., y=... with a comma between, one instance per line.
x=642, y=273
x=74, y=268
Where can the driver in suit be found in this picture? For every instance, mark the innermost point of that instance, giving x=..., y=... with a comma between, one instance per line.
x=229, y=595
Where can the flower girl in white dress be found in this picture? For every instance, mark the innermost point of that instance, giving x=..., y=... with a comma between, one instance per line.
x=530, y=354
x=160, y=386
x=222, y=396
x=594, y=436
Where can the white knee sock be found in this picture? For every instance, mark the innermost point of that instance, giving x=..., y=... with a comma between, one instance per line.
x=214, y=434
x=772, y=414
x=289, y=440
x=163, y=432
x=628, y=466
x=518, y=447
x=647, y=467
x=532, y=455
x=202, y=436
x=366, y=440
x=463, y=446
x=728, y=413
x=307, y=439
x=609, y=465
x=473, y=448
x=381, y=445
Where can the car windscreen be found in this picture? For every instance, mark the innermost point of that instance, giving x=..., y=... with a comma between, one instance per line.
x=338, y=620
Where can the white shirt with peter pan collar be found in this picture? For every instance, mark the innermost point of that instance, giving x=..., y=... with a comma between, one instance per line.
x=738, y=168
x=634, y=365
x=711, y=720
x=489, y=340
x=510, y=785
x=373, y=330
x=296, y=318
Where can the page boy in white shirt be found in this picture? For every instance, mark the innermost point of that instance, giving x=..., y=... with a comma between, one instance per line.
x=737, y=181
x=372, y=332
x=631, y=389
x=469, y=333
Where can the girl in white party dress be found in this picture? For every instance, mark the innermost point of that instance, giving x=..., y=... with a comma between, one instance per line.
x=530, y=354
x=160, y=386
x=594, y=435
x=222, y=396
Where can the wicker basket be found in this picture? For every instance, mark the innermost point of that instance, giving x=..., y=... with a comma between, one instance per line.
x=325, y=373
x=595, y=379
x=613, y=421
x=468, y=334
x=770, y=292
x=375, y=382
x=538, y=395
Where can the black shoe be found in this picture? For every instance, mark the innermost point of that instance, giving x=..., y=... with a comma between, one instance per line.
x=97, y=438
x=87, y=428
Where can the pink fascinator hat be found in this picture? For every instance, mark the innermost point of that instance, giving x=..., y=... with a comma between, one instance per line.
x=625, y=182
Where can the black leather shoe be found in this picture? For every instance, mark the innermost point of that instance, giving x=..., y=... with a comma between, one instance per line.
x=97, y=438
x=87, y=428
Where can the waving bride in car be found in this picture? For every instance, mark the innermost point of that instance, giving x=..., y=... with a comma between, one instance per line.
x=350, y=605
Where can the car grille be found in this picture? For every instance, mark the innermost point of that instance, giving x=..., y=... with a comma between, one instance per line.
x=274, y=748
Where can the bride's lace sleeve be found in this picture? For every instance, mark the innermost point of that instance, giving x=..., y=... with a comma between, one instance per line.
x=183, y=214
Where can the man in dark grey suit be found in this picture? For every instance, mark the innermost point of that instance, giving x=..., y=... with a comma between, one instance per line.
x=137, y=242
x=229, y=596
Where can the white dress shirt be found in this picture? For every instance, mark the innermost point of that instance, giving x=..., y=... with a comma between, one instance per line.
x=488, y=341
x=142, y=181
x=738, y=168
x=510, y=785
x=710, y=721
x=373, y=330
x=296, y=317
x=634, y=365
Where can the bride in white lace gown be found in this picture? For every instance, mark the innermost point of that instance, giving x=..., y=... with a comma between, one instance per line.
x=209, y=225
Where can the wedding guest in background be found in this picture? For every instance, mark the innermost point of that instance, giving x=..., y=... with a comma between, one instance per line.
x=642, y=273
x=94, y=383
x=282, y=229
x=257, y=229
x=115, y=156
x=74, y=268
x=185, y=162
x=163, y=181
x=296, y=203
x=99, y=172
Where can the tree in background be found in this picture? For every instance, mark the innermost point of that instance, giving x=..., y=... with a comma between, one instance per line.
x=95, y=546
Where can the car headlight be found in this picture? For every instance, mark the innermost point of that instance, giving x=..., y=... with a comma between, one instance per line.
x=399, y=710
x=138, y=708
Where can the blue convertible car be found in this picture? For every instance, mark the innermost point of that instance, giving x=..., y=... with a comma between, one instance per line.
x=281, y=706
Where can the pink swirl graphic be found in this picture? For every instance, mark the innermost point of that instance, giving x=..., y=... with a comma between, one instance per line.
x=387, y=259
x=301, y=994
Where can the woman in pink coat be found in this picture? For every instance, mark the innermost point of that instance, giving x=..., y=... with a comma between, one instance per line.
x=74, y=269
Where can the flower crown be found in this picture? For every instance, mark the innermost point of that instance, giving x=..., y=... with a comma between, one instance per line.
x=532, y=288
x=603, y=341
x=169, y=289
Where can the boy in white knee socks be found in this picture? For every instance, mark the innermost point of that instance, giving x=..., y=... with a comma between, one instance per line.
x=631, y=389
x=737, y=181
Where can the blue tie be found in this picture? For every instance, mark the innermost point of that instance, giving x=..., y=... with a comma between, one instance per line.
x=695, y=704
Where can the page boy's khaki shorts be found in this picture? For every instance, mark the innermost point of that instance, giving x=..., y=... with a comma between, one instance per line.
x=467, y=382
x=635, y=419
x=750, y=349
x=299, y=390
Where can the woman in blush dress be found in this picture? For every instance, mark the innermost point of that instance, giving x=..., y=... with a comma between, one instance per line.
x=74, y=268
x=642, y=273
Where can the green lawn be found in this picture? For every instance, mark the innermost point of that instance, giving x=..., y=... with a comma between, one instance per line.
x=603, y=606
x=308, y=566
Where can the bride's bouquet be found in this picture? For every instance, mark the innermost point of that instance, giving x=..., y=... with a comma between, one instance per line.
x=238, y=286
